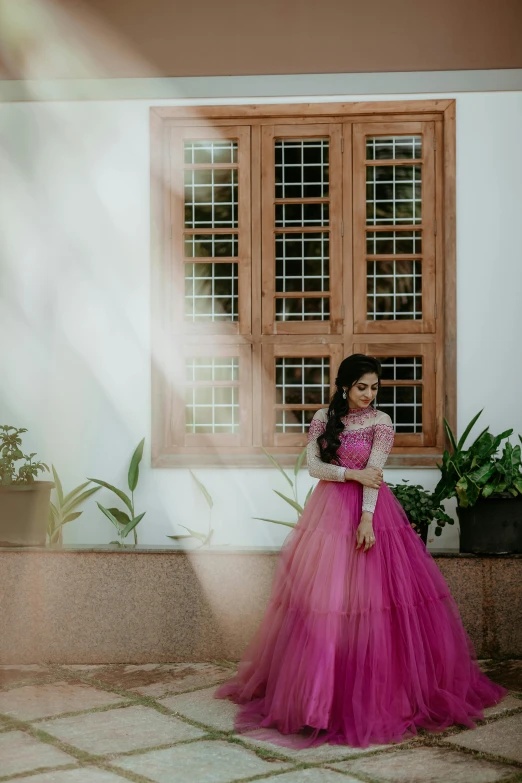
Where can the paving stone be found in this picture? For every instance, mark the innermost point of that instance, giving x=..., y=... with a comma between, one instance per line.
x=509, y=703
x=119, y=730
x=309, y=776
x=202, y=707
x=204, y=762
x=83, y=775
x=317, y=755
x=16, y=673
x=502, y=737
x=506, y=673
x=156, y=679
x=427, y=765
x=30, y=702
x=19, y=752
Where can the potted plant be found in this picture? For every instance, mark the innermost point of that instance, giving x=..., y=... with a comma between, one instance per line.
x=294, y=502
x=125, y=522
x=63, y=510
x=421, y=508
x=488, y=488
x=24, y=502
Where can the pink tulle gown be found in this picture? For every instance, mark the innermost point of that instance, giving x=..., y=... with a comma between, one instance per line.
x=357, y=647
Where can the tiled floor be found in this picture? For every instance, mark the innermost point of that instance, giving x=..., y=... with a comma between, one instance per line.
x=159, y=723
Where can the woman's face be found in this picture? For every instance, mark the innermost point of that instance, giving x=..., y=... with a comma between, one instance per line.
x=364, y=391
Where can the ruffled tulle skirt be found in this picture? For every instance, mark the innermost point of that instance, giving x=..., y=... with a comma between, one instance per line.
x=357, y=648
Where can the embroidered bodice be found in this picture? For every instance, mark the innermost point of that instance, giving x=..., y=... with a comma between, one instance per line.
x=366, y=441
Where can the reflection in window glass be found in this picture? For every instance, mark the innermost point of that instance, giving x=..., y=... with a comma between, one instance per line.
x=212, y=395
x=301, y=168
x=211, y=292
x=302, y=262
x=300, y=381
x=394, y=290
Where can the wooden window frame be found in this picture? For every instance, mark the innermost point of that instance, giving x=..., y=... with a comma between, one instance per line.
x=251, y=336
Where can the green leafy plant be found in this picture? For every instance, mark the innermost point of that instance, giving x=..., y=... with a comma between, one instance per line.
x=10, y=453
x=420, y=506
x=124, y=522
x=292, y=501
x=479, y=471
x=63, y=510
x=203, y=538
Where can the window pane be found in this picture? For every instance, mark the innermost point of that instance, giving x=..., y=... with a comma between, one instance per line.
x=394, y=290
x=211, y=198
x=404, y=405
x=303, y=381
x=211, y=246
x=306, y=309
x=393, y=242
x=211, y=292
x=302, y=214
x=393, y=194
x=294, y=421
x=401, y=368
x=301, y=168
x=302, y=262
x=218, y=368
x=394, y=148
x=216, y=151
x=212, y=409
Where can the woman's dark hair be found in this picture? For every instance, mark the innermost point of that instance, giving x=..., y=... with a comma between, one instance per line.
x=350, y=371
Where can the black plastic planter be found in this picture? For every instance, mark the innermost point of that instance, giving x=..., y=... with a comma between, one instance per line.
x=492, y=526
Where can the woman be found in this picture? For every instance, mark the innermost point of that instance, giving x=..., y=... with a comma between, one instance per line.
x=361, y=641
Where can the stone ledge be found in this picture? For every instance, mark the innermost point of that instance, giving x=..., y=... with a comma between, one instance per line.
x=90, y=605
x=225, y=550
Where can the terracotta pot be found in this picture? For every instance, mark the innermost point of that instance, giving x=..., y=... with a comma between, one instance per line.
x=23, y=513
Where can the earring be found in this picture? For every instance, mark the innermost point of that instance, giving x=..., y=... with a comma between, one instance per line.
x=344, y=394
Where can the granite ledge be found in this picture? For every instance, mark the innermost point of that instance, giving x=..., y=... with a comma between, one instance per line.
x=217, y=550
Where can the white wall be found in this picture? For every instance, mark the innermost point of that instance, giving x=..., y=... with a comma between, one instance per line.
x=74, y=305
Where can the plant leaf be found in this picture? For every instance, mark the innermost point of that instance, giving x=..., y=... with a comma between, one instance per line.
x=121, y=516
x=450, y=435
x=75, y=502
x=109, y=516
x=58, y=483
x=276, y=521
x=278, y=467
x=118, y=492
x=299, y=462
x=482, y=474
x=308, y=494
x=132, y=524
x=203, y=489
x=134, y=467
x=178, y=538
x=517, y=483
x=195, y=534
x=74, y=492
x=70, y=517
x=468, y=429
x=290, y=501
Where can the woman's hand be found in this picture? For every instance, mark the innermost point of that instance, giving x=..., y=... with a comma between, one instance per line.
x=368, y=477
x=365, y=535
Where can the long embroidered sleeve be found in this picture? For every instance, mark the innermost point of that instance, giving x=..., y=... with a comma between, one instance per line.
x=381, y=447
x=316, y=467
